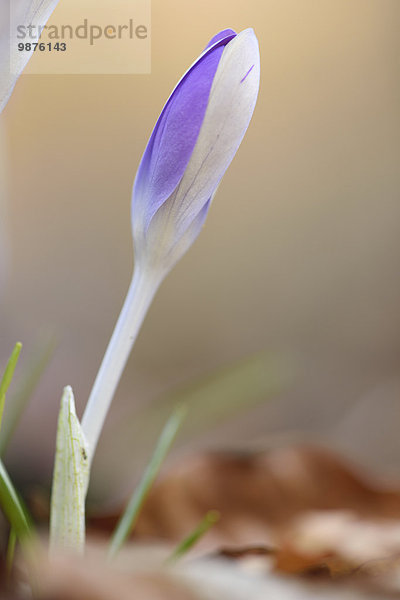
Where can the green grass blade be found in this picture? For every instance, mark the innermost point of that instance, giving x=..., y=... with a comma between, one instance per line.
x=12, y=506
x=18, y=400
x=7, y=377
x=12, y=540
x=191, y=540
x=10, y=503
x=131, y=514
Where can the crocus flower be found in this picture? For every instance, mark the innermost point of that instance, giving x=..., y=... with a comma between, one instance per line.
x=192, y=145
x=25, y=13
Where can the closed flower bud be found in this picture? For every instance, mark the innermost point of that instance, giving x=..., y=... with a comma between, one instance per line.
x=192, y=145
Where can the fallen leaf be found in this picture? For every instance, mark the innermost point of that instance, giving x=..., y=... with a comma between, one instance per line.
x=300, y=510
x=256, y=495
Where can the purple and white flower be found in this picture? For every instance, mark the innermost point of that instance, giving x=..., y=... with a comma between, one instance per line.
x=12, y=63
x=192, y=145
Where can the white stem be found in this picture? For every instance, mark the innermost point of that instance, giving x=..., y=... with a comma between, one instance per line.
x=141, y=292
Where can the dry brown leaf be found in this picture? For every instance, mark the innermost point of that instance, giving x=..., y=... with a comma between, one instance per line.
x=321, y=516
x=340, y=543
x=256, y=494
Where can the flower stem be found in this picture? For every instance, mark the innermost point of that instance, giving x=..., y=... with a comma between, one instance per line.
x=140, y=295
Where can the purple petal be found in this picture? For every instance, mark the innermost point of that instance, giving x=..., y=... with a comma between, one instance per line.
x=220, y=36
x=176, y=131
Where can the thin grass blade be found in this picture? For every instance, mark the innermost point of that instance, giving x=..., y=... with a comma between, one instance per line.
x=191, y=540
x=19, y=399
x=7, y=377
x=131, y=514
x=12, y=541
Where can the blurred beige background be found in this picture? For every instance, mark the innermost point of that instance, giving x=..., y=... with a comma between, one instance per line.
x=300, y=253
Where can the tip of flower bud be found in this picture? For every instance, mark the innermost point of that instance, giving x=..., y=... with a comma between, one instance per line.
x=221, y=35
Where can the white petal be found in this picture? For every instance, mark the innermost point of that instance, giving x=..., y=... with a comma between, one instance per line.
x=164, y=249
x=25, y=12
x=232, y=100
x=70, y=480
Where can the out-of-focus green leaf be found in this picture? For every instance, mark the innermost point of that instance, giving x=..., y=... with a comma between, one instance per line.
x=12, y=506
x=211, y=400
x=228, y=392
x=10, y=503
